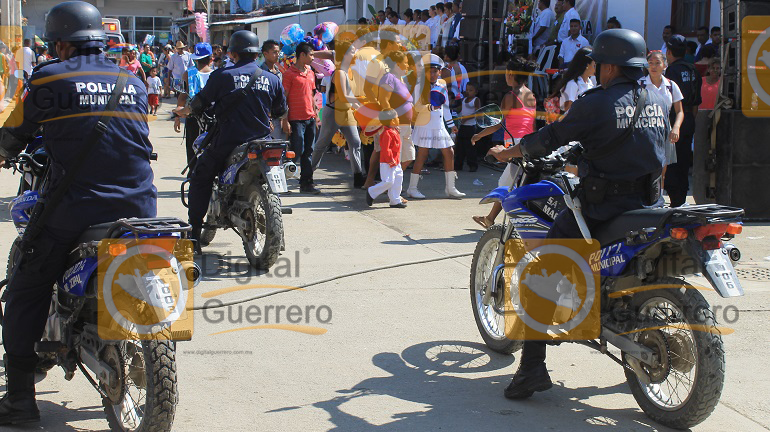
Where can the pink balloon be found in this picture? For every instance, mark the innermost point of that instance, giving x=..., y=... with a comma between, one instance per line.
x=323, y=67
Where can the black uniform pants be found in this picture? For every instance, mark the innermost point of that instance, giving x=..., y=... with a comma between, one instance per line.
x=465, y=151
x=209, y=165
x=191, y=131
x=302, y=140
x=29, y=295
x=678, y=174
x=564, y=226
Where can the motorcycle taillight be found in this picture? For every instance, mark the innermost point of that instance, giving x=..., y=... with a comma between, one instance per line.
x=272, y=156
x=711, y=243
x=715, y=230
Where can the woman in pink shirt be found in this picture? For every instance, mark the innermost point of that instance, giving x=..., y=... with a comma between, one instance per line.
x=710, y=87
x=130, y=63
x=519, y=108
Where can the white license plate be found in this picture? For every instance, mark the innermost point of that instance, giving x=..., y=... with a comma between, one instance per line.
x=277, y=179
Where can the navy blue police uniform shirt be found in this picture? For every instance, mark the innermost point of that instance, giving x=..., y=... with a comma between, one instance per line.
x=689, y=81
x=67, y=98
x=251, y=118
x=598, y=119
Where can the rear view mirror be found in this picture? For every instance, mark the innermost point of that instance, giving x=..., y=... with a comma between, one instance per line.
x=488, y=116
x=19, y=74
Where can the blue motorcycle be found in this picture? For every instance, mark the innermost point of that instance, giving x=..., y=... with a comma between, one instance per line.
x=245, y=196
x=136, y=379
x=671, y=348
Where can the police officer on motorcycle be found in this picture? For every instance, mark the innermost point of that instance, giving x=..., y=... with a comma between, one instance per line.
x=115, y=180
x=619, y=169
x=242, y=116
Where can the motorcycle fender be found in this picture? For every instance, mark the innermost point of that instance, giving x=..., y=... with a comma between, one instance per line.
x=718, y=269
x=276, y=178
x=496, y=195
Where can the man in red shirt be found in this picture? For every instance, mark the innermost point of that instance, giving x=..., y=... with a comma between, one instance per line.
x=299, y=83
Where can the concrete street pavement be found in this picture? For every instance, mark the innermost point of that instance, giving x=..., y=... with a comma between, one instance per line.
x=401, y=350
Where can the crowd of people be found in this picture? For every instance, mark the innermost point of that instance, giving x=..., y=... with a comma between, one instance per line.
x=381, y=93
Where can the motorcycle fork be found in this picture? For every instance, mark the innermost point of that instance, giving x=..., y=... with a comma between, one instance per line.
x=499, y=266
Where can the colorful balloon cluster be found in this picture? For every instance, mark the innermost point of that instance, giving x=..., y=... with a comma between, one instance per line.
x=291, y=36
x=326, y=31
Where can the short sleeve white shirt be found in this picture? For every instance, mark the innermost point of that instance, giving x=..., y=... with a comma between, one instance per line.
x=668, y=90
x=571, y=46
x=564, y=29
x=546, y=18
x=573, y=89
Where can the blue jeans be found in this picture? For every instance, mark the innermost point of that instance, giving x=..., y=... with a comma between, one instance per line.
x=302, y=140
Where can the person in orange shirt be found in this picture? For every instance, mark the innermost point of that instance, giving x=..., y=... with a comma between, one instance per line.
x=390, y=160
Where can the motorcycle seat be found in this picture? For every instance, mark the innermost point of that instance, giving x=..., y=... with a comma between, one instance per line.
x=635, y=220
x=95, y=232
x=116, y=229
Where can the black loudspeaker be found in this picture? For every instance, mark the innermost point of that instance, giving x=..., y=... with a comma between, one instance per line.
x=733, y=13
x=474, y=53
x=742, y=164
x=473, y=27
x=476, y=8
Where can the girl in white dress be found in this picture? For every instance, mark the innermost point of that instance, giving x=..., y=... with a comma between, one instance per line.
x=433, y=119
x=669, y=90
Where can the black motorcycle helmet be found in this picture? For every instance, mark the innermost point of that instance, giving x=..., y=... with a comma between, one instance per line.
x=622, y=47
x=244, y=41
x=74, y=21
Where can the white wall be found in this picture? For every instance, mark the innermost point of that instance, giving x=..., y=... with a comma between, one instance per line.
x=35, y=11
x=272, y=29
x=630, y=13
x=422, y=4
x=716, y=12
x=658, y=16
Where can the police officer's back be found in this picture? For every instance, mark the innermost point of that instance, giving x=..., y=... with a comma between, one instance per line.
x=67, y=98
x=620, y=168
x=242, y=116
x=250, y=119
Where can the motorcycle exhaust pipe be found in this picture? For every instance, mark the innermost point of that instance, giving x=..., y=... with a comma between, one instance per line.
x=193, y=273
x=733, y=252
x=290, y=169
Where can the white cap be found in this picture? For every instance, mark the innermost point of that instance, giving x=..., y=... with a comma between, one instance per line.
x=432, y=60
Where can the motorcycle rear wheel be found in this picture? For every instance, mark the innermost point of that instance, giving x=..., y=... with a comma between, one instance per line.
x=490, y=320
x=694, y=356
x=265, y=235
x=146, y=387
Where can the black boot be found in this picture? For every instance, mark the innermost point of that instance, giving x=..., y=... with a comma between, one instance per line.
x=18, y=405
x=358, y=180
x=532, y=375
x=195, y=237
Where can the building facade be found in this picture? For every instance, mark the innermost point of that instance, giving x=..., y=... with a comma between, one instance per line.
x=138, y=18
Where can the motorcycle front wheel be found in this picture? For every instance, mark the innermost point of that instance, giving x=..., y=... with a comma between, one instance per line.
x=262, y=239
x=490, y=319
x=143, y=397
x=685, y=386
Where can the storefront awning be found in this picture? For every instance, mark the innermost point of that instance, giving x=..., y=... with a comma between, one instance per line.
x=269, y=17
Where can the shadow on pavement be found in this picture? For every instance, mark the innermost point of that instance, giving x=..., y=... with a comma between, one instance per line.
x=56, y=416
x=441, y=376
x=470, y=237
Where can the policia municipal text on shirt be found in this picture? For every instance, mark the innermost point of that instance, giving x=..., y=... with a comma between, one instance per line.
x=115, y=181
